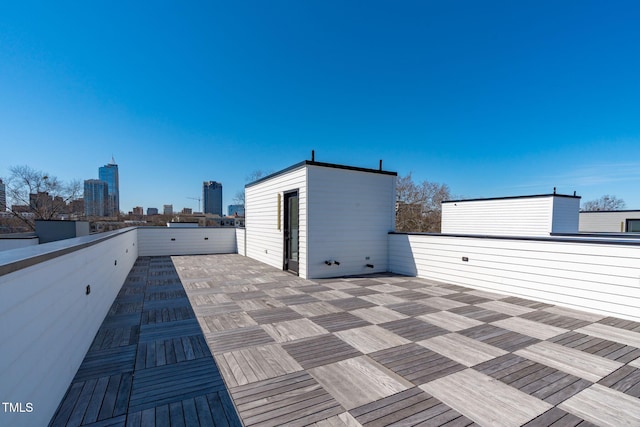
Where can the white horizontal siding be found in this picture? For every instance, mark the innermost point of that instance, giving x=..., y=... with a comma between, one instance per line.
x=350, y=214
x=499, y=217
x=161, y=241
x=565, y=215
x=606, y=222
x=599, y=277
x=241, y=241
x=265, y=242
x=48, y=321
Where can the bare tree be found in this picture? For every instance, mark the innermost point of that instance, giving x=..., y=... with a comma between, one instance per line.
x=38, y=193
x=604, y=203
x=253, y=176
x=418, y=206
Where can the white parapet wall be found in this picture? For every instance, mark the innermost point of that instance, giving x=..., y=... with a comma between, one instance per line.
x=48, y=319
x=241, y=241
x=597, y=275
x=165, y=241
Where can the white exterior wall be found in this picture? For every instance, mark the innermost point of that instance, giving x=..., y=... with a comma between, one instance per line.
x=8, y=244
x=161, y=241
x=606, y=222
x=349, y=216
x=598, y=277
x=241, y=241
x=48, y=321
x=265, y=242
x=518, y=216
x=565, y=216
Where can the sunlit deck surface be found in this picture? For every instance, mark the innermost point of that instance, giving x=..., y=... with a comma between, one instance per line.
x=372, y=350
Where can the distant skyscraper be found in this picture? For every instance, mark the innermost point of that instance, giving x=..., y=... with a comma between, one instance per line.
x=3, y=197
x=167, y=209
x=96, y=197
x=212, y=197
x=236, y=209
x=152, y=211
x=109, y=174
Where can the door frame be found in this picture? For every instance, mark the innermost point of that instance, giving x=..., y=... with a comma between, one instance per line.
x=289, y=264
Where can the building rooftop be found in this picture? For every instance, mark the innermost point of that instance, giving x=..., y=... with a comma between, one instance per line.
x=225, y=340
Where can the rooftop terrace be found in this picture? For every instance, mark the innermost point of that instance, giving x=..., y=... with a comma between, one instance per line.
x=382, y=349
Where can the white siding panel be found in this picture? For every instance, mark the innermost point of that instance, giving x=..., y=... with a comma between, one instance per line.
x=161, y=241
x=599, y=277
x=265, y=242
x=350, y=214
x=606, y=222
x=241, y=242
x=48, y=321
x=565, y=215
x=499, y=217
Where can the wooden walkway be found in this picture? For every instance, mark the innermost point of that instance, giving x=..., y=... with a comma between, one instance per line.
x=374, y=351
x=149, y=363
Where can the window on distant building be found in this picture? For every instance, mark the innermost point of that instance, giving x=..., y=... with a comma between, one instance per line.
x=633, y=225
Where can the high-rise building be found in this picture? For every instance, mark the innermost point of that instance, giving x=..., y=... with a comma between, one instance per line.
x=212, y=197
x=3, y=197
x=138, y=210
x=96, y=197
x=109, y=174
x=167, y=209
x=152, y=211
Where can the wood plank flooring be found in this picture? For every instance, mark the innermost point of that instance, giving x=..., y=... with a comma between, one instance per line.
x=376, y=350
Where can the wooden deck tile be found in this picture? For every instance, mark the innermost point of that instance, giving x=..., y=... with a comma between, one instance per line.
x=628, y=325
x=416, y=363
x=533, y=378
x=290, y=300
x=635, y=363
x=479, y=313
x=529, y=327
x=111, y=361
x=553, y=319
x=292, y=400
x=320, y=351
x=441, y=303
x=272, y=315
x=371, y=338
x=355, y=382
x=467, y=298
x=412, y=308
x=556, y=417
x=575, y=362
x=527, y=303
x=253, y=364
x=604, y=407
x=612, y=333
x=449, y=321
x=315, y=309
x=484, y=400
x=226, y=321
x=234, y=339
x=600, y=347
x=626, y=379
x=358, y=292
x=466, y=351
x=292, y=330
x=164, y=330
x=378, y=314
x=335, y=295
x=576, y=314
x=339, y=321
x=413, y=329
x=408, y=407
x=498, y=337
x=506, y=308
x=259, y=304
x=352, y=303
x=382, y=299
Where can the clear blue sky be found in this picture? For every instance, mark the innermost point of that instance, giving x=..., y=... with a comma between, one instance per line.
x=493, y=98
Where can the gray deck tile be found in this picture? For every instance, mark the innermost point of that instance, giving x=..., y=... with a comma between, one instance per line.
x=604, y=407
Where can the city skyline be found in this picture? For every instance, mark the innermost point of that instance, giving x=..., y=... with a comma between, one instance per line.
x=494, y=99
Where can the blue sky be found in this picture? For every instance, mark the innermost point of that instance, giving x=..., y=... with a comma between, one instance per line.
x=493, y=98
